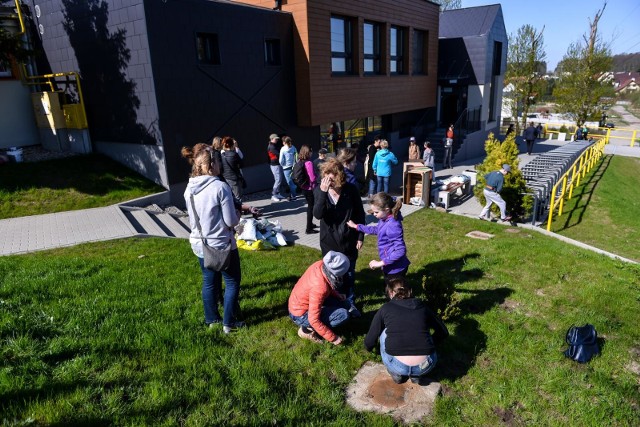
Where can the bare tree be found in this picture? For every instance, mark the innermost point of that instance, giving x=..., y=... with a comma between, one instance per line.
x=449, y=4
x=525, y=61
x=581, y=89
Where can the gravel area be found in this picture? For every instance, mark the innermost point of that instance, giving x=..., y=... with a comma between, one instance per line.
x=35, y=153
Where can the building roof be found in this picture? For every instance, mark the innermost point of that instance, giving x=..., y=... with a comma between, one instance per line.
x=622, y=80
x=470, y=21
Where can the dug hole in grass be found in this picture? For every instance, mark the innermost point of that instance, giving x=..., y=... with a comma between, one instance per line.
x=112, y=333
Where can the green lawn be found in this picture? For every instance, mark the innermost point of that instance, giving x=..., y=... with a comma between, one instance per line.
x=605, y=209
x=79, y=182
x=111, y=334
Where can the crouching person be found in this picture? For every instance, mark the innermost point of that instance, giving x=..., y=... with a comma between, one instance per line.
x=315, y=305
x=403, y=325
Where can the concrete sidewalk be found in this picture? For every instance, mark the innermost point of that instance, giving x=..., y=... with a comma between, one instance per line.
x=41, y=232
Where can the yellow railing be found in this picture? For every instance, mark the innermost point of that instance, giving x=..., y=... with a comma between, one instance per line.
x=572, y=177
x=74, y=113
x=633, y=133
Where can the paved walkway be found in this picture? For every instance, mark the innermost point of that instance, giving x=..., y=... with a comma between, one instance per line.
x=41, y=232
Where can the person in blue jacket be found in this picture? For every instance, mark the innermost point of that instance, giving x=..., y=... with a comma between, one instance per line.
x=493, y=186
x=382, y=164
x=391, y=247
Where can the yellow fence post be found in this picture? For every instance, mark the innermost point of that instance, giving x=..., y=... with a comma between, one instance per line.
x=573, y=180
x=633, y=139
x=564, y=188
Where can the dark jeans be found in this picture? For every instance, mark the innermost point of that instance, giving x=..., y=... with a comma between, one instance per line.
x=332, y=315
x=308, y=195
x=529, y=146
x=348, y=287
x=211, y=284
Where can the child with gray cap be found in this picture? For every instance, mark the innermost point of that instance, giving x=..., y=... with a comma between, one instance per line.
x=315, y=305
x=493, y=186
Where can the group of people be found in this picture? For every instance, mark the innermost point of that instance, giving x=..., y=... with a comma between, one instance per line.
x=325, y=296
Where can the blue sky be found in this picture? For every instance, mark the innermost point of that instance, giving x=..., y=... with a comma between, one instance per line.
x=565, y=21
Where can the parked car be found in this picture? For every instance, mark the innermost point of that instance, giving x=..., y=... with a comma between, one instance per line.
x=609, y=125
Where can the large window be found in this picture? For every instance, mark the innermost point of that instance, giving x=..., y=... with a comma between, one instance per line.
x=341, y=45
x=420, y=53
x=207, y=48
x=371, y=48
x=396, y=50
x=272, y=52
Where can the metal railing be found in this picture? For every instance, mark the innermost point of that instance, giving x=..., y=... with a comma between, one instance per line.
x=572, y=177
x=605, y=132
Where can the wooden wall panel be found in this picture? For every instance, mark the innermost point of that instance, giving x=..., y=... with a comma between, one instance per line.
x=323, y=98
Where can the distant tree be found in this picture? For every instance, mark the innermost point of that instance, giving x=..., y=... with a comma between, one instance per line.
x=580, y=90
x=449, y=4
x=626, y=62
x=515, y=187
x=524, y=59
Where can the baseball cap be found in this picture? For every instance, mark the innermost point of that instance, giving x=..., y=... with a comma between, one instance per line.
x=506, y=167
x=322, y=151
x=273, y=136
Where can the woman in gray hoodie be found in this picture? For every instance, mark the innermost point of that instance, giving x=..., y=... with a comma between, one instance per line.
x=213, y=202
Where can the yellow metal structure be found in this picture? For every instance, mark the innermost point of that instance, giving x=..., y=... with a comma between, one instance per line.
x=572, y=177
x=75, y=116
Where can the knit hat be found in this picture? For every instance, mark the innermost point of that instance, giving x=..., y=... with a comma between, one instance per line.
x=336, y=263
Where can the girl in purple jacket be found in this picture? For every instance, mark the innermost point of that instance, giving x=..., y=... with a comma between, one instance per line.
x=391, y=246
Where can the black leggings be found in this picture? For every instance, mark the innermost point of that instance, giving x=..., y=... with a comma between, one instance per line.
x=308, y=195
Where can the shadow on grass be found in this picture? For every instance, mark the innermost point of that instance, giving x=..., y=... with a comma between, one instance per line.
x=92, y=174
x=583, y=197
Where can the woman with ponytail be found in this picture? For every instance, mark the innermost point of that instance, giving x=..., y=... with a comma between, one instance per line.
x=210, y=203
x=391, y=246
x=404, y=327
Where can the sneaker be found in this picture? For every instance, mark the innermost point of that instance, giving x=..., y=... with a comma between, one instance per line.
x=506, y=218
x=279, y=196
x=482, y=218
x=292, y=198
x=314, y=226
x=233, y=327
x=312, y=231
x=214, y=323
x=311, y=335
x=398, y=379
x=275, y=199
x=354, y=312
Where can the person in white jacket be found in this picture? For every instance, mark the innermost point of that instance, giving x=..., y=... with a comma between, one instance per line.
x=214, y=205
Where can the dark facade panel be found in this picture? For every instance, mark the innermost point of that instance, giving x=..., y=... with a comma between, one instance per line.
x=243, y=96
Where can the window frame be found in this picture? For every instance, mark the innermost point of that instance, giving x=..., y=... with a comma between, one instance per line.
x=347, y=55
x=376, y=55
x=399, y=57
x=424, y=50
x=273, y=56
x=208, y=49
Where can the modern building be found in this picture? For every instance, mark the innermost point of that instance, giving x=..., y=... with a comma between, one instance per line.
x=473, y=46
x=160, y=74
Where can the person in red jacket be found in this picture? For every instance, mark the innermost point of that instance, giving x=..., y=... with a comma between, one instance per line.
x=315, y=305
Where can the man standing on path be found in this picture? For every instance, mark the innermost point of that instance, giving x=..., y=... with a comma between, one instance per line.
x=448, y=148
x=493, y=186
x=530, y=135
x=276, y=169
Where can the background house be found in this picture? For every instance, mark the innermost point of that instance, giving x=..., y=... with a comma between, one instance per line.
x=473, y=46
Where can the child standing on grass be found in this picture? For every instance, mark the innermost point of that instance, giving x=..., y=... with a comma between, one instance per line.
x=391, y=246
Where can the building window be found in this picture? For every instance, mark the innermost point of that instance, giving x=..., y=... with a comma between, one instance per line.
x=272, y=52
x=207, y=48
x=341, y=46
x=371, y=48
x=396, y=50
x=420, y=53
x=495, y=72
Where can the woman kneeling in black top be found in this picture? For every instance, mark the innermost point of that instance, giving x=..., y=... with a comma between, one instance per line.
x=404, y=327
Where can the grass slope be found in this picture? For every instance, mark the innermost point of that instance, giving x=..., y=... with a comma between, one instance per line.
x=605, y=209
x=111, y=333
x=72, y=183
